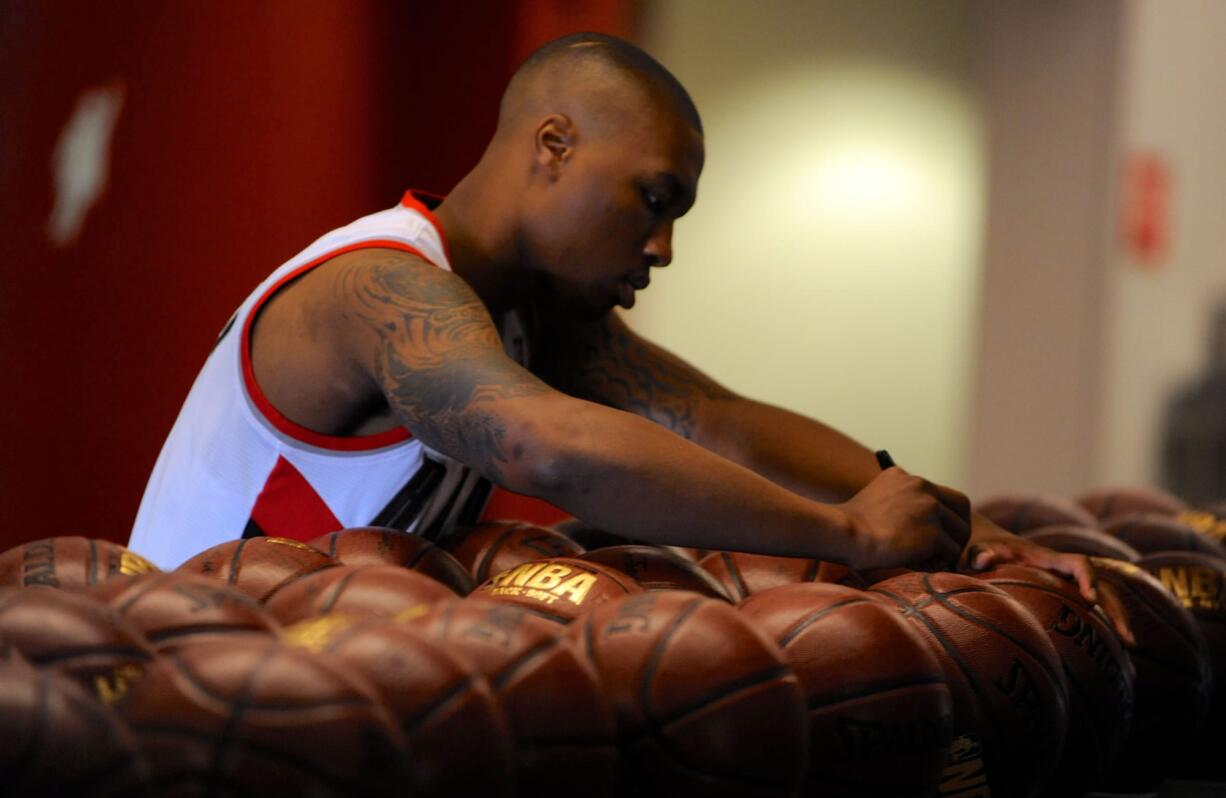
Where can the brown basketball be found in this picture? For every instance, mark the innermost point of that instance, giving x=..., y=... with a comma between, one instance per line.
x=704, y=701
x=170, y=608
x=254, y=716
x=743, y=574
x=559, y=589
x=1108, y=503
x=1010, y=700
x=57, y=739
x=880, y=713
x=1206, y=521
x=1196, y=580
x=376, y=545
x=382, y=591
x=1021, y=512
x=834, y=573
x=1150, y=534
x=494, y=546
x=76, y=635
x=437, y=699
x=1096, y=668
x=257, y=566
x=561, y=722
x=590, y=537
x=68, y=562
x=657, y=568
x=1173, y=681
x=1082, y=540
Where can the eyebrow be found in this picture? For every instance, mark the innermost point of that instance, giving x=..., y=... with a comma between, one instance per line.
x=677, y=190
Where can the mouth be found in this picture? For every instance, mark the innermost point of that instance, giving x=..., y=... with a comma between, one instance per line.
x=639, y=280
x=625, y=294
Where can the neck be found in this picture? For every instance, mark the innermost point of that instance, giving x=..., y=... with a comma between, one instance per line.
x=476, y=220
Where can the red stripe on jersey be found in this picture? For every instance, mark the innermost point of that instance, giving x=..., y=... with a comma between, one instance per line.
x=274, y=416
x=417, y=200
x=288, y=507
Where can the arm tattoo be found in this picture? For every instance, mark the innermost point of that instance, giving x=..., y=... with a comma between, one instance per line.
x=607, y=363
x=439, y=360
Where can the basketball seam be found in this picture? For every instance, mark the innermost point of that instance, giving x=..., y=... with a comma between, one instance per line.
x=499, y=678
x=427, y=712
x=878, y=688
x=482, y=573
x=236, y=561
x=812, y=571
x=138, y=592
x=1187, y=637
x=657, y=653
x=815, y=616
x=229, y=729
x=741, y=588
x=184, y=631
x=60, y=655
x=337, y=590
x=420, y=554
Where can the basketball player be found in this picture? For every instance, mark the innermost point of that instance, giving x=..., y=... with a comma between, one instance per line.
x=397, y=366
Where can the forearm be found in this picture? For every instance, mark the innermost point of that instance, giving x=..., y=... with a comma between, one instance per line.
x=798, y=453
x=630, y=476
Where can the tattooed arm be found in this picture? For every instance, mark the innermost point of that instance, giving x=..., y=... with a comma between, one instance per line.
x=607, y=362
x=424, y=338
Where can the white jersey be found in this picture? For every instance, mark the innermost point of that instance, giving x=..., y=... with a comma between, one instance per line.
x=233, y=466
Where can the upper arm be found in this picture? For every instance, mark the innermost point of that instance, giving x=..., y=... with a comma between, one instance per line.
x=609, y=363
x=425, y=338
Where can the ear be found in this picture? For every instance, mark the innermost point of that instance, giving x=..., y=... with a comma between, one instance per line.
x=556, y=139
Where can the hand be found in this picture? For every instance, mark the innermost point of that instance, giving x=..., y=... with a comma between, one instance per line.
x=899, y=519
x=985, y=554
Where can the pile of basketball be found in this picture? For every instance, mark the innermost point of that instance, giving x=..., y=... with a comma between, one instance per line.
x=524, y=659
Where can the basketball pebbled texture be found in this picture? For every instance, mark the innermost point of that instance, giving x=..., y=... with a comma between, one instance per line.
x=705, y=703
x=743, y=574
x=658, y=568
x=880, y=712
x=492, y=547
x=1018, y=512
x=1150, y=534
x=1006, y=679
x=68, y=562
x=364, y=590
x=257, y=566
x=1107, y=503
x=376, y=545
x=1082, y=540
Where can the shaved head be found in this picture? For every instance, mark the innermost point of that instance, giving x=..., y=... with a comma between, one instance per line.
x=605, y=80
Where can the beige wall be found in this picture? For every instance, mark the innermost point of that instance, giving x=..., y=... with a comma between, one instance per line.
x=831, y=264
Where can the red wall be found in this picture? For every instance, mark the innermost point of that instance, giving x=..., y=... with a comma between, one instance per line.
x=247, y=130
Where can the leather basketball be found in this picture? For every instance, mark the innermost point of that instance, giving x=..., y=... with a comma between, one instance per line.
x=561, y=722
x=1108, y=503
x=383, y=591
x=1019, y=512
x=495, y=546
x=743, y=574
x=263, y=718
x=658, y=568
x=1149, y=534
x=68, y=562
x=257, y=566
x=1082, y=540
x=880, y=713
x=374, y=545
x=436, y=698
x=1006, y=679
x=170, y=608
x=1097, y=669
x=705, y=702
x=559, y=589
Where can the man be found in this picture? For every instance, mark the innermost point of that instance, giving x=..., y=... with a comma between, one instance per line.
x=373, y=354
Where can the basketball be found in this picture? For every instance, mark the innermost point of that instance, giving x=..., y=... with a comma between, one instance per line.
x=1108, y=503
x=743, y=574
x=76, y=635
x=1149, y=534
x=561, y=723
x=257, y=566
x=1022, y=512
x=880, y=713
x=169, y=608
x=263, y=718
x=1096, y=668
x=657, y=568
x=436, y=698
x=705, y=703
x=363, y=590
x=373, y=545
x=1196, y=580
x=1010, y=699
x=559, y=589
x=68, y=562
x=495, y=546
x=1082, y=540
x=57, y=739
x=590, y=537
x=1173, y=682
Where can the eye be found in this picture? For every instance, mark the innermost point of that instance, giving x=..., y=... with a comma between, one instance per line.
x=654, y=201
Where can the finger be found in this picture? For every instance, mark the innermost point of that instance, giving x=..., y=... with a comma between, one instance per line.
x=955, y=531
x=980, y=557
x=1074, y=566
x=1110, y=602
x=954, y=500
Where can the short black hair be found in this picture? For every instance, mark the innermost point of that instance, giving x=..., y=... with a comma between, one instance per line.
x=621, y=56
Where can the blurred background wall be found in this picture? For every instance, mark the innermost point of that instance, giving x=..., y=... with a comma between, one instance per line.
x=984, y=235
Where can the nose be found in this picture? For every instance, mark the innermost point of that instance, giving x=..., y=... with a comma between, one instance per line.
x=659, y=248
